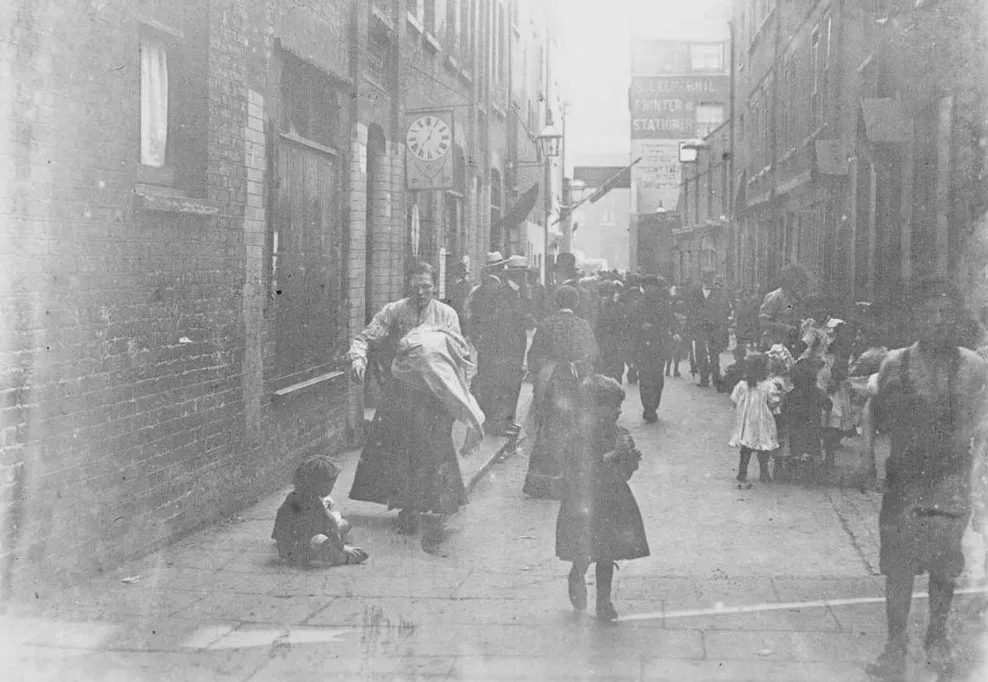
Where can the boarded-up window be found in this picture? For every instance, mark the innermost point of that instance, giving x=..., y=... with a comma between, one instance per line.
x=308, y=289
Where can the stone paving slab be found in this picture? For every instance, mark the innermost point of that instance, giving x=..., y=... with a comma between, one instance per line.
x=585, y=637
x=808, y=589
x=257, y=609
x=161, y=666
x=523, y=669
x=815, y=647
x=676, y=670
x=789, y=620
x=355, y=611
x=332, y=666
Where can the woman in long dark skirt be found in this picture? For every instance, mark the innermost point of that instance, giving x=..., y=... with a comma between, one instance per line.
x=562, y=355
x=409, y=462
x=599, y=520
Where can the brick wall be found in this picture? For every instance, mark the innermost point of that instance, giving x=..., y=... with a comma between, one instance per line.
x=136, y=343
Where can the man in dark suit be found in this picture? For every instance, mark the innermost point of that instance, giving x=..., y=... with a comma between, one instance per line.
x=631, y=294
x=568, y=275
x=498, y=330
x=709, y=311
x=650, y=322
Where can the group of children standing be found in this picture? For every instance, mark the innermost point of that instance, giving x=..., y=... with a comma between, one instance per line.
x=797, y=409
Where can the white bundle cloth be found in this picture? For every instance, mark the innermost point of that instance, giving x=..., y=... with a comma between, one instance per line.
x=437, y=360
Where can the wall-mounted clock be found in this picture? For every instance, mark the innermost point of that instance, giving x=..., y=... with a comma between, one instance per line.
x=429, y=138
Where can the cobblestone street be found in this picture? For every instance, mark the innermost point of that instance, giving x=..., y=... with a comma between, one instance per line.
x=774, y=583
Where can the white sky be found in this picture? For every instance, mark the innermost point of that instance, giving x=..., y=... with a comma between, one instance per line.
x=595, y=71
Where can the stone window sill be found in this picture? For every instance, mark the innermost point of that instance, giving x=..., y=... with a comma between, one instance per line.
x=294, y=388
x=305, y=142
x=151, y=199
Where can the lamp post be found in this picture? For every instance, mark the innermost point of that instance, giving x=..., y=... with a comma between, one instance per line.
x=549, y=145
x=690, y=150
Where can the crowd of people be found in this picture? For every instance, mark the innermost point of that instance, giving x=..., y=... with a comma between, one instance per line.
x=806, y=375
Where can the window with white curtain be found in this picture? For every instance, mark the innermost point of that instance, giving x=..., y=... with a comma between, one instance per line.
x=154, y=101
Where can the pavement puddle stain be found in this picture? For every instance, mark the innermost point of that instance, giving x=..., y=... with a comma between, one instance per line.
x=721, y=610
x=225, y=637
x=379, y=636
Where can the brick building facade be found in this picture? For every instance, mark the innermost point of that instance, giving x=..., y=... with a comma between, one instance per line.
x=857, y=134
x=703, y=236
x=205, y=200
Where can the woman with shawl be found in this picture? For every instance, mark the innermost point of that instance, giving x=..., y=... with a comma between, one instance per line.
x=409, y=462
x=562, y=355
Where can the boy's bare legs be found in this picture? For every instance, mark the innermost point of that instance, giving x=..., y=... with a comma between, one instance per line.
x=891, y=664
x=939, y=652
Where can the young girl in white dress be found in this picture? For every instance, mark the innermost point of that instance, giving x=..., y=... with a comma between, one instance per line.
x=754, y=399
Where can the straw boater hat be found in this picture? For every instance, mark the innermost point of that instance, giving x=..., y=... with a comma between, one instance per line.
x=494, y=258
x=516, y=263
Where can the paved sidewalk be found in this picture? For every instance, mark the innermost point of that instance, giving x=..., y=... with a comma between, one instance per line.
x=215, y=603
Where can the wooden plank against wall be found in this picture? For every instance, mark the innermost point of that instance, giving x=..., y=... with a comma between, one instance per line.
x=946, y=110
x=872, y=234
x=852, y=239
x=906, y=202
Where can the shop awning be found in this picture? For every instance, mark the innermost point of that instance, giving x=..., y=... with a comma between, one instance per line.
x=517, y=213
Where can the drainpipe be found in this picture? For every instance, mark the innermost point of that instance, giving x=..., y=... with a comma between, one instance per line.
x=773, y=208
x=729, y=162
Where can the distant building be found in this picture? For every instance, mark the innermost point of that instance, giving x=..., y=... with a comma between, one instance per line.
x=856, y=142
x=702, y=239
x=680, y=90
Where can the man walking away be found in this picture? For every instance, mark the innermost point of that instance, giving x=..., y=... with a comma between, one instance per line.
x=609, y=331
x=459, y=291
x=498, y=331
x=710, y=312
x=629, y=297
x=930, y=399
x=567, y=274
x=651, y=323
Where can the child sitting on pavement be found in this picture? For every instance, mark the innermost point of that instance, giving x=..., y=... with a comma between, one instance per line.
x=599, y=520
x=306, y=528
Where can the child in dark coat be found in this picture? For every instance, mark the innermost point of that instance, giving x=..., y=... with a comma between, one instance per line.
x=807, y=403
x=306, y=528
x=599, y=520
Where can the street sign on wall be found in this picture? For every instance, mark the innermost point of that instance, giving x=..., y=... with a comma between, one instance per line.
x=655, y=180
x=664, y=107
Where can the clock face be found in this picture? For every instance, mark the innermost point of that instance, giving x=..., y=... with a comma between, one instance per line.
x=429, y=138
